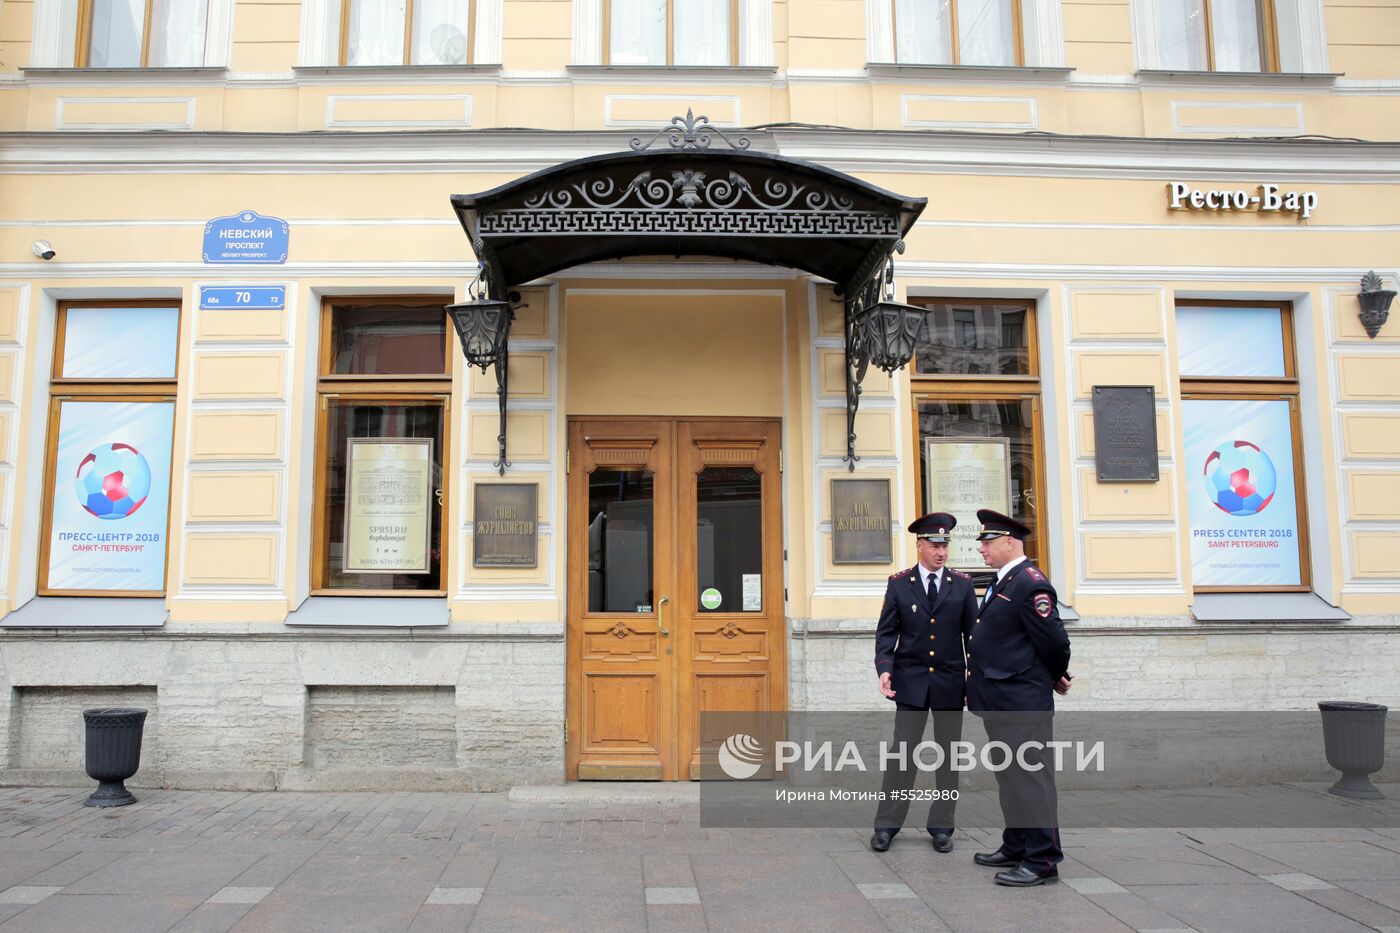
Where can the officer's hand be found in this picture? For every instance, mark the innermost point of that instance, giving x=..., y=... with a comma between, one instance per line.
x=885, y=687
x=1062, y=685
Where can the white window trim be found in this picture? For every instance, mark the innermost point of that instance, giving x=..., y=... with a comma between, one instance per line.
x=755, y=33
x=1042, y=27
x=54, y=46
x=320, y=34
x=1302, y=36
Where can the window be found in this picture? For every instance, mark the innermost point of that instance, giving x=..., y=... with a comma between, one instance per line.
x=107, y=472
x=1244, y=479
x=141, y=33
x=406, y=32
x=671, y=32
x=1215, y=35
x=958, y=32
x=382, y=402
x=977, y=416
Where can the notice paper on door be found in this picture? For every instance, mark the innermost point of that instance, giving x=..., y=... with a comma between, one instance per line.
x=753, y=592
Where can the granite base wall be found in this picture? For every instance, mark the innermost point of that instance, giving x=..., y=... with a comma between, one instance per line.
x=262, y=709
x=481, y=706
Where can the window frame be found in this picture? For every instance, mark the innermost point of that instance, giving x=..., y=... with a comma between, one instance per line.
x=68, y=389
x=1018, y=39
x=1260, y=388
x=1268, y=35
x=406, y=62
x=82, y=55
x=670, y=37
x=392, y=389
x=992, y=388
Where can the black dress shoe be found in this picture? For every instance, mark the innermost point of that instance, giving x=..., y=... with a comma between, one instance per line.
x=880, y=842
x=1023, y=876
x=997, y=859
x=943, y=842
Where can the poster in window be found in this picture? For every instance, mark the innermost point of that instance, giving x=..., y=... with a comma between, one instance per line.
x=1241, y=492
x=964, y=475
x=111, y=497
x=388, y=493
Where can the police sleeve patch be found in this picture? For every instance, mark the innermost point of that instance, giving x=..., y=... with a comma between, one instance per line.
x=1043, y=605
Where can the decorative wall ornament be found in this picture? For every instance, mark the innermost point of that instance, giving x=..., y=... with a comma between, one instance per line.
x=689, y=132
x=1375, y=303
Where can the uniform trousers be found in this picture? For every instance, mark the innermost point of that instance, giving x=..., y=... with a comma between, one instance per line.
x=1028, y=799
x=900, y=773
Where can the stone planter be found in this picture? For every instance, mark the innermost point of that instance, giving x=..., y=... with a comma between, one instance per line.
x=1354, y=735
x=113, y=753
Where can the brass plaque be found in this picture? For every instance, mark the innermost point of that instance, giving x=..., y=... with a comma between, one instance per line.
x=860, y=521
x=1125, y=434
x=506, y=525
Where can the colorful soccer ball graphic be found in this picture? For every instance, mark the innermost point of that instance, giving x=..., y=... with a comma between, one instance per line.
x=1240, y=478
x=113, y=481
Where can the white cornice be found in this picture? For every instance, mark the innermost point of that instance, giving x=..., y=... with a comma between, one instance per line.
x=864, y=152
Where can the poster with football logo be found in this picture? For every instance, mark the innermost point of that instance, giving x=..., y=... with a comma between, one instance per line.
x=1240, y=487
x=110, y=497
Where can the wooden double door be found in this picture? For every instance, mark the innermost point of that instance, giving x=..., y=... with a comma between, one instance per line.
x=675, y=588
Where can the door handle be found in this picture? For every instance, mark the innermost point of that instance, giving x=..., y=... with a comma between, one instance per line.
x=660, y=619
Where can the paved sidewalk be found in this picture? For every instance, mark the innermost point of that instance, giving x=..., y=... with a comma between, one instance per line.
x=584, y=860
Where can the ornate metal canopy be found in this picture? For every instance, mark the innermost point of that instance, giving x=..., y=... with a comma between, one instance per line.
x=689, y=200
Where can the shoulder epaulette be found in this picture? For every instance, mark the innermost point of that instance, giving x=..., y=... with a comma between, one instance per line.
x=958, y=573
x=1035, y=574
x=900, y=573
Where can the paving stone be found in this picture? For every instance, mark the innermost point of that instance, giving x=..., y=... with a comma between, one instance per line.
x=17, y=867
x=1355, y=907
x=908, y=914
x=27, y=894
x=65, y=913
x=211, y=918
x=1232, y=908
x=239, y=895
x=671, y=895
x=74, y=867
x=293, y=912
x=1095, y=886
x=676, y=918
x=548, y=912
x=1332, y=862
x=885, y=891
x=1386, y=893
x=443, y=918
x=454, y=896
x=391, y=875
x=1297, y=881
x=194, y=873
x=667, y=871
x=1165, y=864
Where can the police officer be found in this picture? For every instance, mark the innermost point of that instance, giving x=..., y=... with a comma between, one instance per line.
x=1018, y=657
x=928, y=611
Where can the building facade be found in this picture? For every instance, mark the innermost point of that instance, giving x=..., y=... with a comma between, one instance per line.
x=249, y=481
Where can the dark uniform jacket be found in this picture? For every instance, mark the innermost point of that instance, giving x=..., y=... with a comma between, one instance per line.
x=1018, y=647
x=921, y=644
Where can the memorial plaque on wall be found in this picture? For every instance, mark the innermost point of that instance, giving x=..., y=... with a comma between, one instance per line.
x=1125, y=434
x=505, y=528
x=860, y=521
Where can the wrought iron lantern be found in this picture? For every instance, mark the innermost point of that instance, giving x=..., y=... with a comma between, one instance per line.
x=1375, y=303
x=483, y=324
x=887, y=333
x=879, y=330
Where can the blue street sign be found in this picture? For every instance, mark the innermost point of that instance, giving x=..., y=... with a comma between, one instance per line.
x=255, y=298
x=246, y=238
